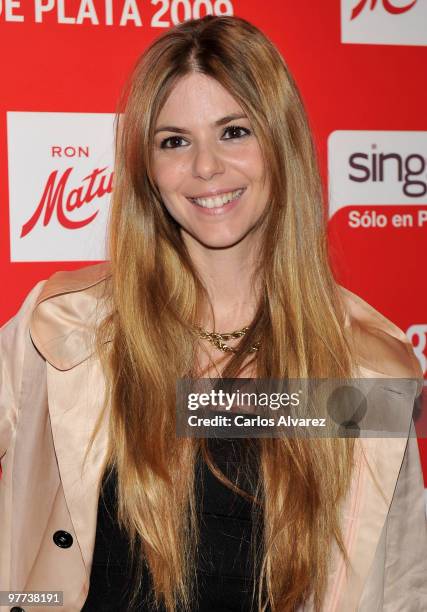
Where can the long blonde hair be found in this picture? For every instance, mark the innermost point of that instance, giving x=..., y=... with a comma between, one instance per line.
x=155, y=298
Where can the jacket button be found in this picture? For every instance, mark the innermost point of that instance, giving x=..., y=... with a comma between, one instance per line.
x=63, y=539
x=17, y=609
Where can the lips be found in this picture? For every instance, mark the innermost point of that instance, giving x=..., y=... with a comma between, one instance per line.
x=218, y=198
x=214, y=192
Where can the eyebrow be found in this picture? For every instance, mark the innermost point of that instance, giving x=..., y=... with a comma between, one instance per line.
x=219, y=122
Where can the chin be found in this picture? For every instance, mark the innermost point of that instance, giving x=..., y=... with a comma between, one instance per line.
x=219, y=242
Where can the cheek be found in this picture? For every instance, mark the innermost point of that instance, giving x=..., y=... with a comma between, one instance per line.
x=168, y=176
x=250, y=163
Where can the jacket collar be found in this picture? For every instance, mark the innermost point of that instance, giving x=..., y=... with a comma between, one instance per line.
x=64, y=319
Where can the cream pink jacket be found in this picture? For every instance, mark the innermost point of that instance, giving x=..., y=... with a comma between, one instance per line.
x=51, y=388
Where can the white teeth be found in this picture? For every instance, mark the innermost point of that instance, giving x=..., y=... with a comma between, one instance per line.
x=218, y=201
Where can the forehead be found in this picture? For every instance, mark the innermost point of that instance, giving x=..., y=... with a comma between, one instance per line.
x=197, y=98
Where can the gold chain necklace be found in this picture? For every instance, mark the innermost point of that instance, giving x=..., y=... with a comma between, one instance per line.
x=218, y=339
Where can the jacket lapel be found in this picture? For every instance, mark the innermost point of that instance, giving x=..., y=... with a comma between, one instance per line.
x=75, y=402
x=61, y=328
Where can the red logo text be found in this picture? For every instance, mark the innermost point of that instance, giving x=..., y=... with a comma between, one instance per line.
x=57, y=197
x=387, y=4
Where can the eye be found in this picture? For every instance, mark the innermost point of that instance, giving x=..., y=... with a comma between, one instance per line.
x=235, y=129
x=171, y=142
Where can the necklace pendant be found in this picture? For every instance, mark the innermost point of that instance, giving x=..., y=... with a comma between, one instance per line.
x=217, y=339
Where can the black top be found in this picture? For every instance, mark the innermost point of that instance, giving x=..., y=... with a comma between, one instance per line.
x=224, y=565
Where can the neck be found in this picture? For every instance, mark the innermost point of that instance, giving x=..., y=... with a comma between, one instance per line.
x=227, y=276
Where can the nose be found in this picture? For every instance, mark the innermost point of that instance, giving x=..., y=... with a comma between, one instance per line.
x=207, y=162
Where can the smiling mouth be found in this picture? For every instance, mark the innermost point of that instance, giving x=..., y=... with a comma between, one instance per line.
x=218, y=201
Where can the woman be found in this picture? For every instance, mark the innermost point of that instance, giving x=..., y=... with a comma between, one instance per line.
x=217, y=224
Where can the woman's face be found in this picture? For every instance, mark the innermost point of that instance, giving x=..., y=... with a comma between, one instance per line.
x=207, y=163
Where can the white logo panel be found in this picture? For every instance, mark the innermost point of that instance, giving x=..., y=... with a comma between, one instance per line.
x=376, y=167
x=60, y=180
x=417, y=334
x=384, y=22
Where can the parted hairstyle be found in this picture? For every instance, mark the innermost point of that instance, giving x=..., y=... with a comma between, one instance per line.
x=155, y=297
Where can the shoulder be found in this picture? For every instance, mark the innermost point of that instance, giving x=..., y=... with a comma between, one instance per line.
x=65, y=313
x=14, y=344
x=380, y=346
x=65, y=282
